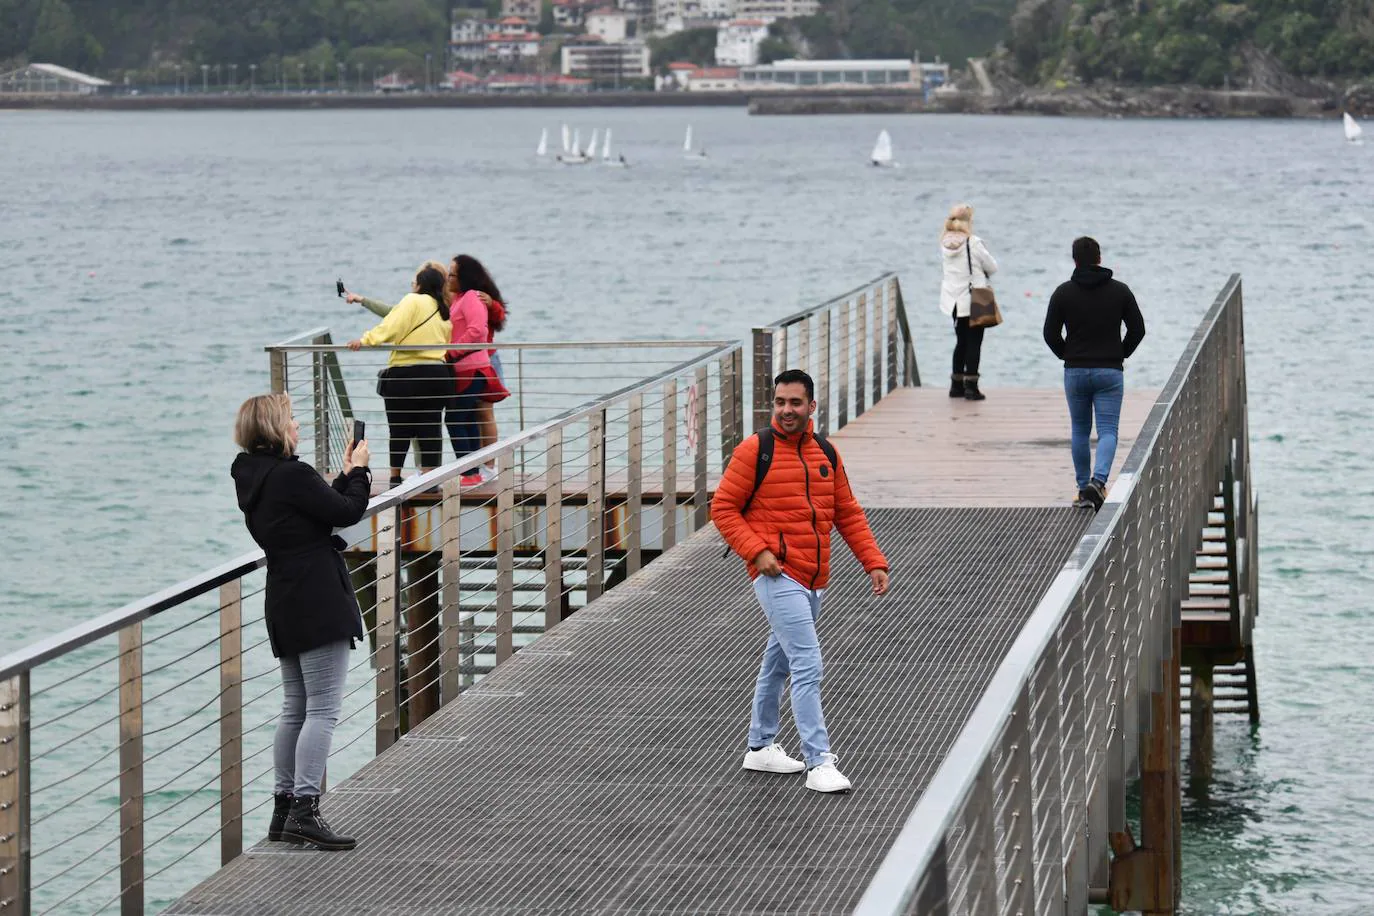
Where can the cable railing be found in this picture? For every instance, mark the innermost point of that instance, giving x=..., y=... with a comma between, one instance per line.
x=136, y=749
x=1022, y=812
x=857, y=347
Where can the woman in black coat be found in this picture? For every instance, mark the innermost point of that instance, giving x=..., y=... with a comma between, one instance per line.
x=311, y=612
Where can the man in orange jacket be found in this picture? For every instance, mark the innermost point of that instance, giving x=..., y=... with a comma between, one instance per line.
x=782, y=531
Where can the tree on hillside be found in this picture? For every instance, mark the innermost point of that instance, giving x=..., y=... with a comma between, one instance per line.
x=696, y=46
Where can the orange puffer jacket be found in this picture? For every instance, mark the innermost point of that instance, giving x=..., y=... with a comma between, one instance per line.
x=801, y=499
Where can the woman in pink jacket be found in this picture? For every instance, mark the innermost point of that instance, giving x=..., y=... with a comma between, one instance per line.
x=477, y=313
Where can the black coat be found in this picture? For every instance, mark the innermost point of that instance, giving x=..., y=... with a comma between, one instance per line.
x=291, y=512
x=1084, y=319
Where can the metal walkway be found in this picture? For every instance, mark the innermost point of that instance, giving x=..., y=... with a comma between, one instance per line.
x=598, y=771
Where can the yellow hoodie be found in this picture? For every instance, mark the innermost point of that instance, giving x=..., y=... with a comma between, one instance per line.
x=414, y=320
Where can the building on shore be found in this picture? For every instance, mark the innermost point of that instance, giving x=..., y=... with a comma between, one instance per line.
x=606, y=62
x=51, y=79
x=844, y=74
x=738, y=41
x=776, y=9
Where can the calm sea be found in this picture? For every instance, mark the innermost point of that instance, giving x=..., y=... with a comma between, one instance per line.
x=146, y=258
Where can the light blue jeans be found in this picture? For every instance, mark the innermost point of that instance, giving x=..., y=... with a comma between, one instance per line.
x=1093, y=392
x=313, y=686
x=793, y=648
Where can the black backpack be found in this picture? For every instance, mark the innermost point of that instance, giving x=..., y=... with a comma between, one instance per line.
x=764, y=461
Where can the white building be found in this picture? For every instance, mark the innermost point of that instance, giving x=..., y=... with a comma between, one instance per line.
x=718, y=9
x=610, y=25
x=492, y=41
x=524, y=9
x=737, y=42
x=714, y=79
x=605, y=62
x=51, y=79
x=792, y=74
x=776, y=9
x=571, y=14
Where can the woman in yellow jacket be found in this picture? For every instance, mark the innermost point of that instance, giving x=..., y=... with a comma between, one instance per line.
x=416, y=384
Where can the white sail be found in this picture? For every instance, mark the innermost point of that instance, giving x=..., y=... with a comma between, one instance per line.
x=687, y=141
x=591, y=147
x=566, y=141
x=543, y=149
x=606, y=147
x=882, y=150
x=1352, y=128
x=577, y=144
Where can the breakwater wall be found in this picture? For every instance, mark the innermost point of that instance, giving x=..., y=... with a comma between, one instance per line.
x=229, y=101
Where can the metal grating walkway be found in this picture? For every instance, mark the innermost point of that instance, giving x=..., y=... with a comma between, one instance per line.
x=597, y=772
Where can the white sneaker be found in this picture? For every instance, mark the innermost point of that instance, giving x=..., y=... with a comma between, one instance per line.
x=487, y=473
x=772, y=759
x=827, y=777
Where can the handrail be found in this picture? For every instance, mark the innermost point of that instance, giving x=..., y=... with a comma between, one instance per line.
x=911, y=853
x=112, y=621
x=496, y=345
x=831, y=302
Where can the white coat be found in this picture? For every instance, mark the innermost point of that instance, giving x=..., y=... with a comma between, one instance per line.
x=955, y=248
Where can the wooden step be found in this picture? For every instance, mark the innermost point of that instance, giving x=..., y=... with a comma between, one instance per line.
x=1210, y=576
x=1205, y=604
x=1211, y=562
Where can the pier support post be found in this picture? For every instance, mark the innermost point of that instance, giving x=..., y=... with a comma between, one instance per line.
x=14, y=793
x=1201, y=710
x=131, y=770
x=421, y=603
x=230, y=721
x=763, y=377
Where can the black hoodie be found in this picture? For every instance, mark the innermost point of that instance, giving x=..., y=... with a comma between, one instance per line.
x=1092, y=307
x=292, y=513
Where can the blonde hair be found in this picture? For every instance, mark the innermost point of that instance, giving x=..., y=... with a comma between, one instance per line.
x=960, y=219
x=264, y=425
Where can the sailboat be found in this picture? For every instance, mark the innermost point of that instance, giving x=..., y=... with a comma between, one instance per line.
x=543, y=148
x=882, y=151
x=1353, y=131
x=606, y=153
x=573, y=155
x=687, y=147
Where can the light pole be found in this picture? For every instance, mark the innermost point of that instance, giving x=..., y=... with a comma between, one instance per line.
x=360, y=77
x=204, y=78
x=252, y=77
x=300, y=71
x=234, y=76
x=219, y=76
x=321, y=83
x=427, y=84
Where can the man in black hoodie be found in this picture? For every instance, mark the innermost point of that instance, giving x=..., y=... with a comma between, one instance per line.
x=1083, y=328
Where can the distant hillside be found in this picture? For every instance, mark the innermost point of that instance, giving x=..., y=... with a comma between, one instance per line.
x=950, y=29
x=1203, y=42
x=134, y=35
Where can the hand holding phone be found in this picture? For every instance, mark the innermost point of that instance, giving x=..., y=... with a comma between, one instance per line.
x=359, y=431
x=339, y=287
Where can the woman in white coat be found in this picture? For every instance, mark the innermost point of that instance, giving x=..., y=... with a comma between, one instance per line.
x=967, y=263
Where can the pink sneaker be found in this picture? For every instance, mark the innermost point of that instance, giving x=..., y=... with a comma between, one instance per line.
x=471, y=479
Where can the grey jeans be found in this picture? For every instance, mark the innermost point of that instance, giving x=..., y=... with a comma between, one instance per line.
x=313, y=686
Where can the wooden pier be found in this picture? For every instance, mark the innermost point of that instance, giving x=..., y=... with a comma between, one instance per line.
x=991, y=710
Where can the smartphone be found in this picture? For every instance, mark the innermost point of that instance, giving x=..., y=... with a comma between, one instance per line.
x=359, y=431
x=339, y=287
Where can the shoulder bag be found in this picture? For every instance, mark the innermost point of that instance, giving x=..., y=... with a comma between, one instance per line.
x=982, y=311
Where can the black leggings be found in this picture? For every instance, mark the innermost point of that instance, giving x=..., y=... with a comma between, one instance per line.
x=968, y=347
x=415, y=400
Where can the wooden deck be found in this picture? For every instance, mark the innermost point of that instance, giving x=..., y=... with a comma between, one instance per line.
x=920, y=448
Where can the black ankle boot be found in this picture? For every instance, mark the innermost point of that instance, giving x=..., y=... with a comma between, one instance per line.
x=956, y=385
x=280, y=809
x=971, y=391
x=305, y=825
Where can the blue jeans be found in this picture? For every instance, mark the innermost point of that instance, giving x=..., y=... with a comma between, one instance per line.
x=793, y=648
x=313, y=686
x=1093, y=392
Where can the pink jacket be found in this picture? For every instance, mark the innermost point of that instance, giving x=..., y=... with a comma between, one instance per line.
x=469, y=318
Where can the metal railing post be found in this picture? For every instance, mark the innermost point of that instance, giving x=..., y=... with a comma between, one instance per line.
x=388, y=644
x=230, y=721
x=860, y=354
x=451, y=592
x=669, y=501
x=891, y=301
x=727, y=422
x=823, y=374
x=321, y=407
x=700, y=496
x=911, y=372
x=131, y=770
x=277, y=367
x=843, y=352
x=763, y=377
x=634, y=486
x=804, y=345
x=596, y=505
x=878, y=312
x=15, y=875
x=505, y=563
x=553, y=529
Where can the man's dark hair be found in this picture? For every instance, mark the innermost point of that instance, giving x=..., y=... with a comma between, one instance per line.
x=1086, y=252
x=793, y=377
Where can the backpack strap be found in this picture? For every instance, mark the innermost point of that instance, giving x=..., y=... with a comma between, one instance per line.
x=762, y=462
